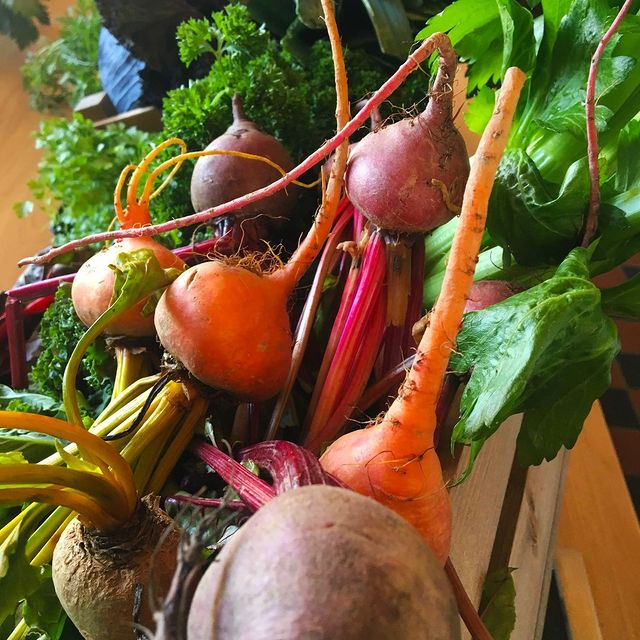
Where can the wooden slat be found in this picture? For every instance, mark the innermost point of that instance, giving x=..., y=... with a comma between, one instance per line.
x=599, y=521
x=477, y=505
x=144, y=118
x=576, y=594
x=532, y=551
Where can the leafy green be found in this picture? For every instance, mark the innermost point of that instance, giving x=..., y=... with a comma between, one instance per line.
x=18, y=578
x=623, y=301
x=78, y=171
x=18, y=19
x=42, y=610
x=60, y=330
x=497, y=604
x=524, y=205
x=545, y=352
x=63, y=71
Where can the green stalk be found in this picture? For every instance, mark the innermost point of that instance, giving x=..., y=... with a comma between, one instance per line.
x=40, y=537
x=138, y=275
x=179, y=443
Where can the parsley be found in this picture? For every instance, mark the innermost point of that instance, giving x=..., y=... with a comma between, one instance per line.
x=78, y=171
x=65, y=70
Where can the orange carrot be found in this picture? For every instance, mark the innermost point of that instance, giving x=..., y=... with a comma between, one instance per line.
x=394, y=460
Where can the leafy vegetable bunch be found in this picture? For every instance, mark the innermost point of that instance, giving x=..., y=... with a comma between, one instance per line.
x=547, y=352
x=78, y=170
x=63, y=71
x=290, y=99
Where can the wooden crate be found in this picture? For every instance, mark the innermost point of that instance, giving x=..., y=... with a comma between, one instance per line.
x=507, y=516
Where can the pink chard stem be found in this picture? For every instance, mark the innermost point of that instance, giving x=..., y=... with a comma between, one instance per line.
x=436, y=41
x=591, y=224
x=253, y=491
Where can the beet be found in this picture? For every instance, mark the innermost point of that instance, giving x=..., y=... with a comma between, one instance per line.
x=96, y=575
x=219, y=178
x=325, y=563
x=487, y=292
x=410, y=176
x=92, y=287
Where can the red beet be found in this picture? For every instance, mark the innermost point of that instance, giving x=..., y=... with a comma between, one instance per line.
x=219, y=178
x=410, y=176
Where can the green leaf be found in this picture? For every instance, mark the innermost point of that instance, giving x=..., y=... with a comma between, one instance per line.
x=533, y=218
x=391, y=25
x=474, y=28
x=519, y=45
x=562, y=83
x=623, y=301
x=12, y=457
x=480, y=109
x=627, y=173
x=545, y=352
x=18, y=579
x=137, y=275
x=42, y=610
x=497, y=604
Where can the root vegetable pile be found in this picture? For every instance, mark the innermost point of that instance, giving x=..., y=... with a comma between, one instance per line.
x=229, y=360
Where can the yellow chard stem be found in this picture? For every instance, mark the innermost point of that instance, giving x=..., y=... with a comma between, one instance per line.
x=178, y=444
x=60, y=496
x=130, y=365
x=99, y=488
x=130, y=393
x=20, y=631
x=45, y=554
x=120, y=472
x=167, y=412
x=146, y=463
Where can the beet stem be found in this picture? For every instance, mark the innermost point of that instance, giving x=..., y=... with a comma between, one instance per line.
x=591, y=223
x=308, y=315
x=253, y=491
x=468, y=613
x=16, y=340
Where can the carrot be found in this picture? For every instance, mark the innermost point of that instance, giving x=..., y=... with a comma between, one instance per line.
x=394, y=460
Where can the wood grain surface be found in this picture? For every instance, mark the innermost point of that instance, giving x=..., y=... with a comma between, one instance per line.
x=18, y=157
x=598, y=521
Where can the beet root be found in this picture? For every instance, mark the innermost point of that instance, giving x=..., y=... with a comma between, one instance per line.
x=322, y=563
x=229, y=327
x=410, y=177
x=96, y=575
x=219, y=178
x=92, y=287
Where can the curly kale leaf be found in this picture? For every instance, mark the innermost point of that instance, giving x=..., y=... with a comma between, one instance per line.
x=60, y=330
